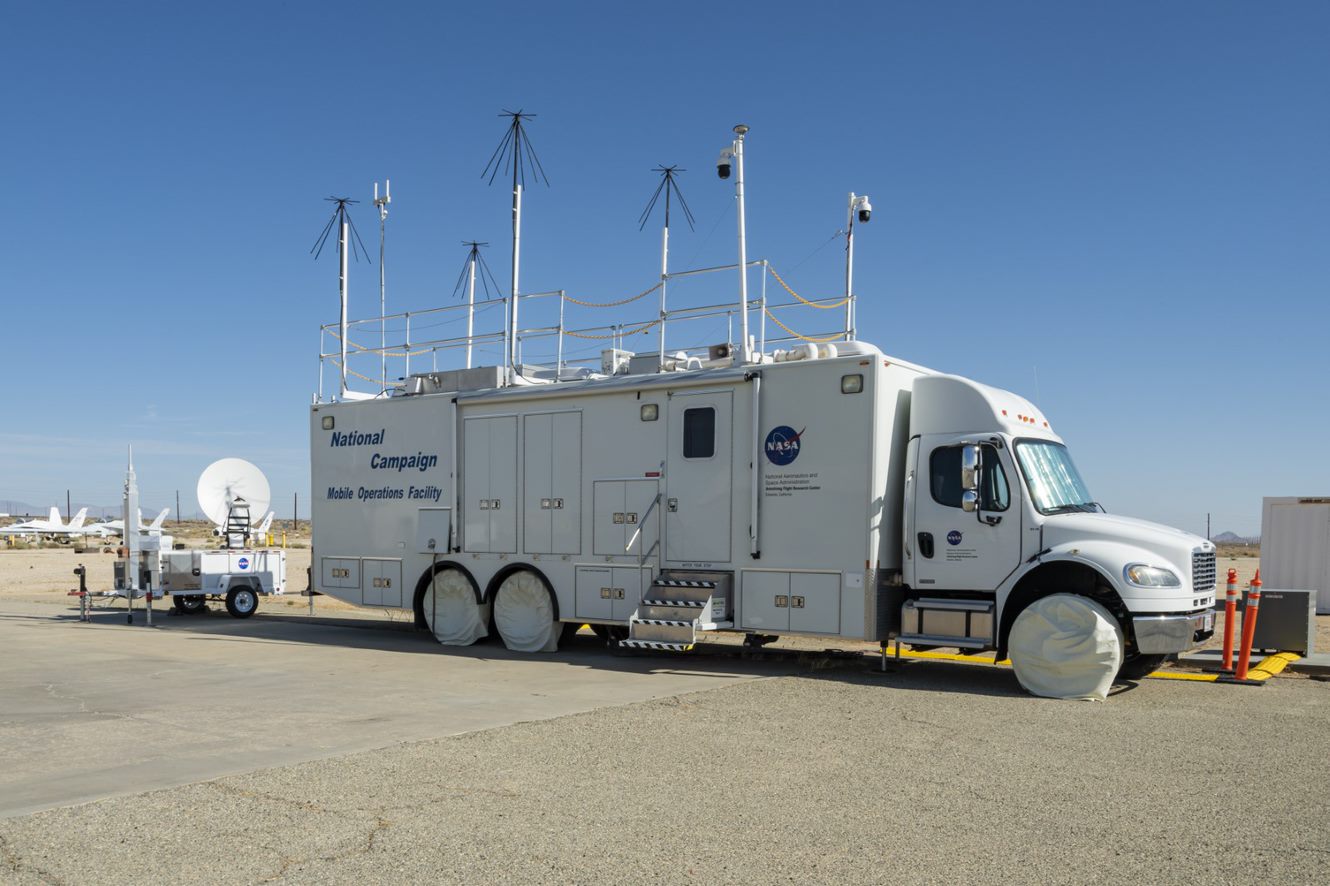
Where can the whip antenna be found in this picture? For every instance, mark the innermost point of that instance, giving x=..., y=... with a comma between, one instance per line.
x=347, y=238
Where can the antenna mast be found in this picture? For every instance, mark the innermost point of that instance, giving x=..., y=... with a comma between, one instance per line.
x=475, y=267
x=670, y=187
x=348, y=239
x=382, y=204
x=516, y=154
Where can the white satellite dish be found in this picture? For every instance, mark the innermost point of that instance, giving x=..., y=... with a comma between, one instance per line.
x=228, y=479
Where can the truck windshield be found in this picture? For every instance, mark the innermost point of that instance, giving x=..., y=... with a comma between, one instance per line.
x=1055, y=486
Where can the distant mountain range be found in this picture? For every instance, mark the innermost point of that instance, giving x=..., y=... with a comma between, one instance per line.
x=1232, y=538
x=95, y=512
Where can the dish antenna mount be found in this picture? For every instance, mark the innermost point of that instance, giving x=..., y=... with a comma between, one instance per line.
x=231, y=491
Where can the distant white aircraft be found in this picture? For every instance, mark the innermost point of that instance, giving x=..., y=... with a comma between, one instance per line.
x=117, y=527
x=52, y=526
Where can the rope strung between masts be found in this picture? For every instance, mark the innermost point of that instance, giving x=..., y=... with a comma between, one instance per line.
x=619, y=334
x=811, y=304
x=376, y=350
x=611, y=304
x=799, y=335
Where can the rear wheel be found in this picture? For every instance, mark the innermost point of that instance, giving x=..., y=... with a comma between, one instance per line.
x=241, y=602
x=450, y=609
x=1140, y=666
x=524, y=613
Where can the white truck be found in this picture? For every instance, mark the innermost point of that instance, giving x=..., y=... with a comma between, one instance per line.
x=828, y=490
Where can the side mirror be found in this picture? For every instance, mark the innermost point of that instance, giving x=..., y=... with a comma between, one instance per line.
x=970, y=468
x=969, y=501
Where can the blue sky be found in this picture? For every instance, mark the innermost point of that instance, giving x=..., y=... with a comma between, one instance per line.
x=1119, y=210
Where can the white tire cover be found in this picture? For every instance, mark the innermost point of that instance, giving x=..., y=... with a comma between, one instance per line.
x=451, y=610
x=1066, y=646
x=524, y=614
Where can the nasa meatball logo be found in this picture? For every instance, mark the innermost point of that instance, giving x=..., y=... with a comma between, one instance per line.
x=954, y=537
x=243, y=563
x=783, y=444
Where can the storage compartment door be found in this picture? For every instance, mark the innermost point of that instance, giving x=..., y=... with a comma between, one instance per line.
x=476, y=498
x=503, y=484
x=765, y=597
x=566, y=483
x=815, y=602
x=537, y=499
x=607, y=535
x=641, y=520
x=595, y=592
x=432, y=525
x=627, y=591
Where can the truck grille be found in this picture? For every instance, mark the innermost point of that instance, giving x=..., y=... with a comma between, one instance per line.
x=1203, y=571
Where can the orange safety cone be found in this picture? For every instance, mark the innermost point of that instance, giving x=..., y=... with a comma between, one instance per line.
x=1249, y=625
x=1230, y=616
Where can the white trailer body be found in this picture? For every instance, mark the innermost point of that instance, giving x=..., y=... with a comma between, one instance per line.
x=821, y=497
x=1295, y=545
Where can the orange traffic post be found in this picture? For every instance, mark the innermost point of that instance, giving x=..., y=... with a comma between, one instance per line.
x=1249, y=625
x=1230, y=616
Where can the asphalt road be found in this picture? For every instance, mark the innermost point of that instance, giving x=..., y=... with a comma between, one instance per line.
x=937, y=773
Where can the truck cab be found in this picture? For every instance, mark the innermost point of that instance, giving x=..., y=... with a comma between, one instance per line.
x=996, y=517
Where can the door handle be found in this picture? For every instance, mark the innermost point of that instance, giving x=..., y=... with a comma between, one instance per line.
x=926, y=544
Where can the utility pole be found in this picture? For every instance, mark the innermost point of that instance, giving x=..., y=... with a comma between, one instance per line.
x=69, y=512
x=295, y=510
x=177, y=507
x=1207, y=525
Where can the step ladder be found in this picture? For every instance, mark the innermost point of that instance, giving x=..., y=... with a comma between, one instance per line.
x=677, y=607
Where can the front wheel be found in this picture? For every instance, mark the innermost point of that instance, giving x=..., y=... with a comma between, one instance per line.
x=1140, y=666
x=241, y=602
x=1066, y=646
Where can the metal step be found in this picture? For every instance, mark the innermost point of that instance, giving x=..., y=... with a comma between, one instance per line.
x=656, y=644
x=692, y=604
x=669, y=610
x=669, y=622
x=681, y=583
x=662, y=631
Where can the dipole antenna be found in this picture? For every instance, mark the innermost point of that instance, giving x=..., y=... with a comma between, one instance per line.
x=669, y=186
x=474, y=267
x=514, y=155
x=348, y=240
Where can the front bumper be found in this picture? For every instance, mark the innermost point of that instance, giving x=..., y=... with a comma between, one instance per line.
x=1167, y=634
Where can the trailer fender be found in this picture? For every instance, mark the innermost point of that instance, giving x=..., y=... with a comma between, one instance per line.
x=1063, y=576
x=418, y=601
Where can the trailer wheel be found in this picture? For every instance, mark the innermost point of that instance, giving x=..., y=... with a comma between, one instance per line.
x=450, y=609
x=190, y=605
x=524, y=613
x=1140, y=666
x=242, y=601
x=1066, y=646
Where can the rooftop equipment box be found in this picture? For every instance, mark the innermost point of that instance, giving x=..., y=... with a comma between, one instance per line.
x=1295, y=546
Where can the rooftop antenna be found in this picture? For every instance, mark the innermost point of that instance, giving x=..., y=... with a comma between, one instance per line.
x=474, y=260
x=735, y=154
x=669, y=186
x=515, y=155
x=382, y=204
x=347, y=236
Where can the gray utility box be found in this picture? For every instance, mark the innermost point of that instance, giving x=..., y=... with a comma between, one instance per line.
x=1295, y=545
x=1286, y=621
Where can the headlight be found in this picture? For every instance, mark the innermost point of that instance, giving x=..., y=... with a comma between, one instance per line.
x=1143, y=576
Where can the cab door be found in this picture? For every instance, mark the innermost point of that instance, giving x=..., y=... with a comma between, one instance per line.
x=952, y=549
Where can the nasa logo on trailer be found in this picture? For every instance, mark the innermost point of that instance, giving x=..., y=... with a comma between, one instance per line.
x=954, y=537
x=243, y=563
x=783, y=445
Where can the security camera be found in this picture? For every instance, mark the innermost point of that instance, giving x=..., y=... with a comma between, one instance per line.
x=723, y=163
x=863, y=207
